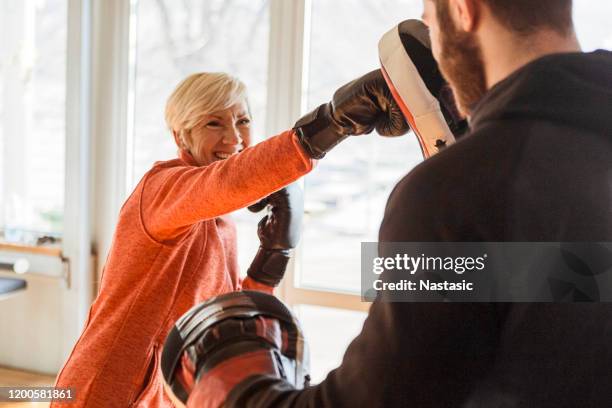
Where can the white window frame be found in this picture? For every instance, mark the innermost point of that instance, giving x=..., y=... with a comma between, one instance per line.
x=76, y=242
x=288, y=64
x=63, y=277
x=77, y=235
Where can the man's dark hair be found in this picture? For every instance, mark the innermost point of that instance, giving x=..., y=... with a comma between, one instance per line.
x=527, y=16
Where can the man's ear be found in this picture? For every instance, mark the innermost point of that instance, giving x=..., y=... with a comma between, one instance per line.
x=465, y=13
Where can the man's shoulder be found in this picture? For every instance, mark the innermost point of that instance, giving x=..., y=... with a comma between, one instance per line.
x=472, y=162
x=448, y=195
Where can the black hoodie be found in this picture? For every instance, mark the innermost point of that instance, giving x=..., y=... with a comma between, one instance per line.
x=537, y=166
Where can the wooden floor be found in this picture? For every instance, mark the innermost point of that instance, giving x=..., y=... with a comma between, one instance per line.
x=11, y=377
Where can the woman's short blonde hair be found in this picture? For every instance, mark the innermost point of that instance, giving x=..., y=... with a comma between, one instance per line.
x=201, y=94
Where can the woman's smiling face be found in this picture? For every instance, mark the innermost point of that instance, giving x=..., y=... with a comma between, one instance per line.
x=219, y=135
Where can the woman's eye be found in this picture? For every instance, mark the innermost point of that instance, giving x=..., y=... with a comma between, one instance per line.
x=244, y=121
x=213, y=124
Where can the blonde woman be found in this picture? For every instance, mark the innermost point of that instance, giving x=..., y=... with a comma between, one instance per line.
x=175, y=246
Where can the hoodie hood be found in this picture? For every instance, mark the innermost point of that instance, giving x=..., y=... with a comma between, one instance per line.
x=574, y=89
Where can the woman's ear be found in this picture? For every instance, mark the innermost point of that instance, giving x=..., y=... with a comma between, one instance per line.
x=179, y=140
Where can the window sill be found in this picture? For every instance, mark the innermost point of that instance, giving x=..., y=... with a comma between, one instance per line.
x=47, y=250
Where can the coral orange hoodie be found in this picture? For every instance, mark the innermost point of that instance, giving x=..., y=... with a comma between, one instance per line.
x=173, y=248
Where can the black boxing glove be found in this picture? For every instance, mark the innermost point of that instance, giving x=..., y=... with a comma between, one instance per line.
x=279, y=232
x=357, y=108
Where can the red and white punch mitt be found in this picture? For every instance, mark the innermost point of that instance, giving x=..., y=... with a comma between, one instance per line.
x=220, y=343
x=424, y=97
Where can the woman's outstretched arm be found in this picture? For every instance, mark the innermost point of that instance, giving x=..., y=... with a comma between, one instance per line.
x=176, y=195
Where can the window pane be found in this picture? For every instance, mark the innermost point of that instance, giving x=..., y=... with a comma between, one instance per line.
x=32, y=117
x=175, y=39
x=328, y=332
x=346, y=194
x=592, y=20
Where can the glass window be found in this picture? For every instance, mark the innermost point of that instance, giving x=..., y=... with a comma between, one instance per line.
x=175, y=39
x=592, y=20
x=32, y=117
x=328, y=333
x=346, y=194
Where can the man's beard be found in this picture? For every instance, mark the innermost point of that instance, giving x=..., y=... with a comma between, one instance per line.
x=460, y=61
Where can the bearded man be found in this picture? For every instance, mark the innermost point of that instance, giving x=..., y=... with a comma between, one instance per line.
x=536, y=165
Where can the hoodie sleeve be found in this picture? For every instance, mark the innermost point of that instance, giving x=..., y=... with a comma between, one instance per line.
x=174, y=198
